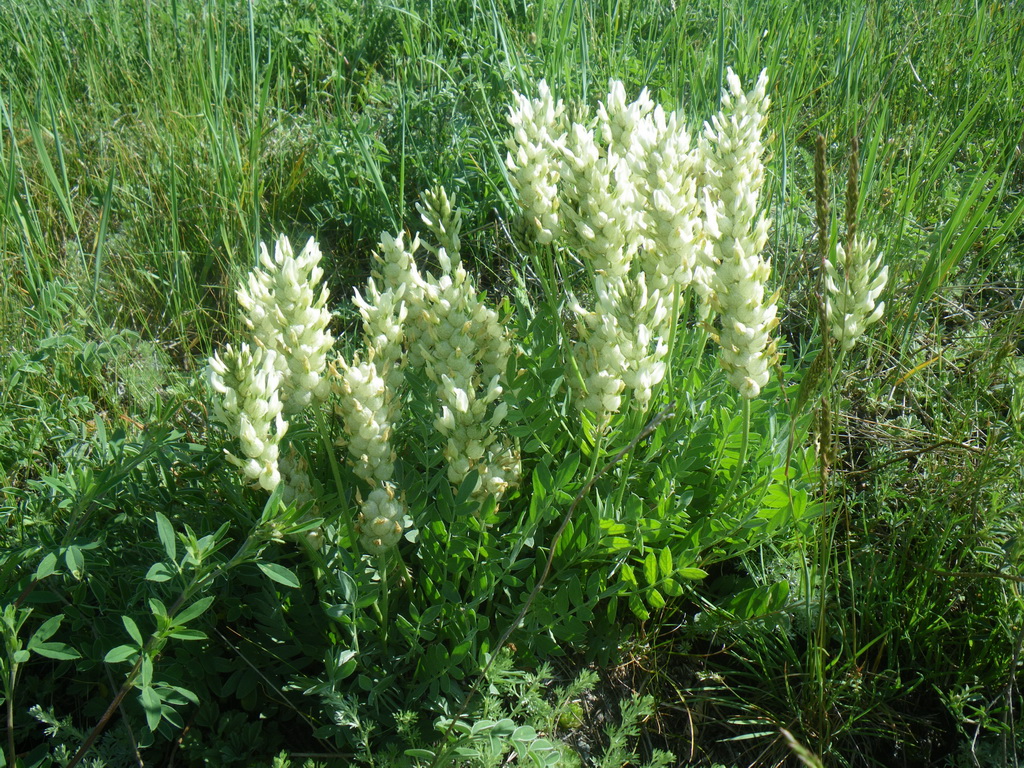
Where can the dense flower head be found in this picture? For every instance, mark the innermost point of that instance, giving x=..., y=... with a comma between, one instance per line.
x=366, y=408
x=533, y=159
x=285, y=306
x=396, y=268
x=731, y=148
x=442, y=219
x=621, y=346
x=673, y=223
x=464, y=347
x=384, y=316
x=853, y=285
x=443, y=326
x=602, y=205
x=622, y=126
x=247, y=380
x=601, y=363
x=643, y=317
x=466, y=351
x=382, y=517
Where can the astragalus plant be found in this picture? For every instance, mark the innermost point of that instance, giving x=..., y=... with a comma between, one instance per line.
x=853, y=284
x=463, y=451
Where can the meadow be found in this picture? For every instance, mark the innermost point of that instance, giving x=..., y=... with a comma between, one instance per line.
x=806, y=553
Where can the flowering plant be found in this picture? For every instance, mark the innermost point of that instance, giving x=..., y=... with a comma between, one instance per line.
x=477, y=450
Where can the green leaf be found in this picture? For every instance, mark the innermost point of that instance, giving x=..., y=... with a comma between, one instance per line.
x=651, y=569
x=758, y=601
x=426, y=754
x=665, y=563
x=58, y=651
x=654, y=597
x=504, y=727
x=151, y=703
x=198, y=608
x=271, y=507
x=146, y=672
x=133, y=629
x=188, y=634
x=46, y=629
x=157, y=607
x=567, y=470
x=46, y=567
x=280, y=574
x=165, y=531
x=542, y=480
x=158, y=572
x=692, y=573
x=628, y=575
x=75, y=560
x=636, y=605
x=524, y=733
x=671, y=587
x=481, y=726
x=469, y=484
x=120, y=653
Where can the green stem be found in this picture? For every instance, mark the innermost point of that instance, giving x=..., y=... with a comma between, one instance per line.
x=9, y=686
x=595, y=521
x=745, y=441
x=384, y=601
x=339, y=486
x=672, y=334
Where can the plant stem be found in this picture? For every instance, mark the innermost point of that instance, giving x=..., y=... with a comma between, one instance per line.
x=321, y=426
x=385, y=607
x=9, y=693
x=744, y=443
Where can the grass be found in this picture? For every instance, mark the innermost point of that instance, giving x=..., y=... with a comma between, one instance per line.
x=148, y=148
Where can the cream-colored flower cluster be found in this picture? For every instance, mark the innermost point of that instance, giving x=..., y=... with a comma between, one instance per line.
x=365, y=409
x=602, y=204
x=462, y=346
x=534, y=157
x=285, y=307
x=732, y=148
x=466, y=350
x=369, y=404
x=398, y=272
x=443, y=326
x=651, y=214
x=247, y=381
x=281, y=372
x=673, y=224
x=382, y=519
x=623, y=189
x=624, y=346
x=853, y=285
x=370, y=389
